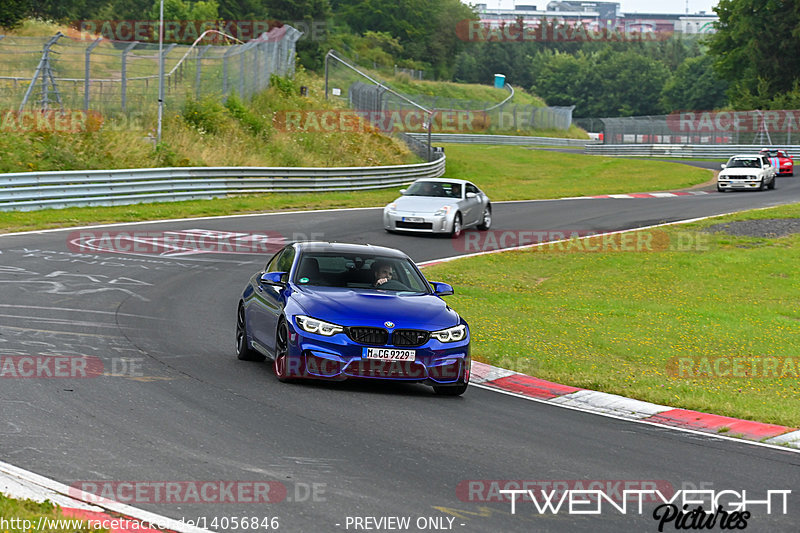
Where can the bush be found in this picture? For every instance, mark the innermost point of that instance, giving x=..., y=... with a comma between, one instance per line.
x=253, y=122
x=284, y=85
x=205, y=116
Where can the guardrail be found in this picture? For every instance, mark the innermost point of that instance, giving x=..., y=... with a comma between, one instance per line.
x=688, y=151
x=27, y=191
x=514, y=140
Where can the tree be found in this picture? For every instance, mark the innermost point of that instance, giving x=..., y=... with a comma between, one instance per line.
x=696, y=86
x=757, y=48
x=243, y=9
x=603, y=84
x=12, y=12
x=186, y=10
x=629, y=84
x=564, y=79
x=425, y=29
x=63, y=11
x=295, y=10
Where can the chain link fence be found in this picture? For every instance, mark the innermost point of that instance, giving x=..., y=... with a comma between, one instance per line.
x=487, y=117
x=451, y=115
x=700, y=127
x=111, y=77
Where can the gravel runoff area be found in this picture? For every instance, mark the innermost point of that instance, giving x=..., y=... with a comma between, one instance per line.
x=768, y=227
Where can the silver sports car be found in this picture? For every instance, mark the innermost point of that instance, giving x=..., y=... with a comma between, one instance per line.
x=439, y=205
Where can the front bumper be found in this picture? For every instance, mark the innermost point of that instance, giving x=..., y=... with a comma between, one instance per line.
x=339, y=358
x=738, y=184
x=422, y=223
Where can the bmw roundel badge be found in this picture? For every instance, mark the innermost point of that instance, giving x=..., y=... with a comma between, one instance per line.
x=389, y=324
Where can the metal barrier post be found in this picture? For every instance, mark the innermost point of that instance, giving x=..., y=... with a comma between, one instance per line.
x=86, y=79
x=198, y=68
x=124, y=75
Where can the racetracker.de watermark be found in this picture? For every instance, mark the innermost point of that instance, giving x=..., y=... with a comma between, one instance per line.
x=350, y=121
x=50, y=367
x=182, y=242
x=543, y=30
x=527, y=490
x=727, y=367
x=179, y=492
x=578, y=240
x=51, y=120
x=188, y=31
x=734, y=121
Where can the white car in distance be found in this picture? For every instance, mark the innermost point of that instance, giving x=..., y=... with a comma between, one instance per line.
x=746, y=172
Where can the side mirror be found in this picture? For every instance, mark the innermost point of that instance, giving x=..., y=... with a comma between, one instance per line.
x=471, y=195
x=272, y=278
x=722, y=166
x=403, y=191
x=442, y=289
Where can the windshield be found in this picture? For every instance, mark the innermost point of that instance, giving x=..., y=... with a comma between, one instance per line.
x=744, y=163
x=438, y=189
x=355, y=271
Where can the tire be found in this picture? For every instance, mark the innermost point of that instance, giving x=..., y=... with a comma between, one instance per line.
x=486, y=221
x=772, y=184
x=243, y=350
x=450, y=390
x=762, y=186
x=279, y=364
x=457, y=228
x=720, y=189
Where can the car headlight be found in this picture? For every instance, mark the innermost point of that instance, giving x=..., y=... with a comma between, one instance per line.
x=454, y=334
x=442, y=211
x=391, y=207
x=320, y=327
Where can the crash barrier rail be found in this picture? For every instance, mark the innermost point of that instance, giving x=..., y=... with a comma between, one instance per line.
x=27, y=191
x=687, y=151
x=479, y=138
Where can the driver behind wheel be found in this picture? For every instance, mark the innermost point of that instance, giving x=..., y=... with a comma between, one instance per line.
x=382, y=272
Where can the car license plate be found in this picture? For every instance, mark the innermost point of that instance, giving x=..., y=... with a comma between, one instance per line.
x=413, y=219
x=389, y=354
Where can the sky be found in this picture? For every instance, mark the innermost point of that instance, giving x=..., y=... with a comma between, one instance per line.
x=626, y=6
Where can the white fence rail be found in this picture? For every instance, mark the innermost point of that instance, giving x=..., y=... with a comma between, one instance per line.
x=519, y=140
x=688, y=151
x=27, y=191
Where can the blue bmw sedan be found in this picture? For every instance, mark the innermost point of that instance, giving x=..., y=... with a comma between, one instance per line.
x=336, y=311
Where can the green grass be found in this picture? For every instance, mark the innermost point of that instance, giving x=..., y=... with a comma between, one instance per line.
x=517, y=173
x=618, y=321
x=463, y=91
x=505, y=173
x=206, y=133
x=16, y=512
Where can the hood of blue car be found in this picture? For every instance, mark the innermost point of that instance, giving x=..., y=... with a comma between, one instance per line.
x=423, y=204
x=364, y=307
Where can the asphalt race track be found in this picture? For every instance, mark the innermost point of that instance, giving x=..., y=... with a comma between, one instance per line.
x=176, y=405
